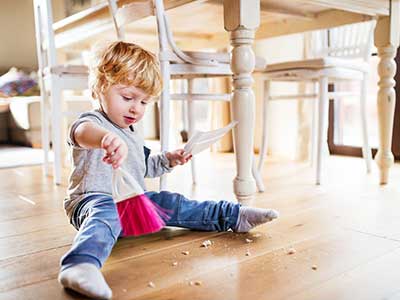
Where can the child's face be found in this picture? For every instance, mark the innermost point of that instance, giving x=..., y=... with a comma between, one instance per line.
x=124, y=105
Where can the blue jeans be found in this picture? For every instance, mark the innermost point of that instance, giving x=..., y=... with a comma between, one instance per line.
x=97, y=222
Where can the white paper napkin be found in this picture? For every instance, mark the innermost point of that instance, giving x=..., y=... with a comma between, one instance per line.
x=201, y=140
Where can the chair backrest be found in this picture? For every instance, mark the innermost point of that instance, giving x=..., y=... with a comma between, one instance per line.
x=348, y=41
x=168, y=50
x=45, y=45
x=126, y=14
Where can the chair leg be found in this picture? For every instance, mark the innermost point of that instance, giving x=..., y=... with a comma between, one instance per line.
x=140, y=128
x=185, y=122
x=164, y=115
x=257, y=176
x=366, y=148
x=56, y=98
x=314, y=127
x=44, y=123
x=191, y=126
x=322, y=121
x=257, y=171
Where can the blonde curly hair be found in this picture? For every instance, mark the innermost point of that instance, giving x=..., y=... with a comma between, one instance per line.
x=127, y=64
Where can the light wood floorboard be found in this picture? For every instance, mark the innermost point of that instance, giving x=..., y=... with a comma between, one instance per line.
x=348, y=229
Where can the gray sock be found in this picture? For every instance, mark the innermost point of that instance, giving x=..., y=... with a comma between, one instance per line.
x=250, y=217
x=87, y=280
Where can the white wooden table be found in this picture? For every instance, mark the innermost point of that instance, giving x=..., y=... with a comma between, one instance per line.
x=242, y=21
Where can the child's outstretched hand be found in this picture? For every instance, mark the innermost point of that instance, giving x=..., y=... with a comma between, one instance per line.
x=178, y=157
x=116, y=149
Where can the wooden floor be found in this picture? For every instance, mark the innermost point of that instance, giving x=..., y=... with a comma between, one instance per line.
x=345, y=236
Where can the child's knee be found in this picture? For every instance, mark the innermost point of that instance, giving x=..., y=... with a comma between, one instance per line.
x=165, y=199
x=108, y=227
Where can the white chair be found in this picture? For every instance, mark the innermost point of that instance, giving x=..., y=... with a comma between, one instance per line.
x=176, y=64
x=53, y=78
x=341, y=53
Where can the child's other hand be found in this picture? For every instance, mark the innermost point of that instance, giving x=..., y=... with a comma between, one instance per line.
x=178, y=157
x=116, y=149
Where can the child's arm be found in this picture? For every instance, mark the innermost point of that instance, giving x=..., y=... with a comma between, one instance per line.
x=88, y=135
x=162, y=163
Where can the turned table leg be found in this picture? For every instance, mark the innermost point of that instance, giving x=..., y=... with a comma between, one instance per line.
x=387, y=41
x=241, y=18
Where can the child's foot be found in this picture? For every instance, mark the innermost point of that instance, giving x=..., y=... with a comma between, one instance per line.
x=86, y=279
x=250, y=217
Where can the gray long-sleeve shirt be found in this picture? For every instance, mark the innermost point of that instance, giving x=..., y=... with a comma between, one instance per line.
x=90, y=175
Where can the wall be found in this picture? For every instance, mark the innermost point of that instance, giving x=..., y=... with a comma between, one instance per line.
x=17, y=31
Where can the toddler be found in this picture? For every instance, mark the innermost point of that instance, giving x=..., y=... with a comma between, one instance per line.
x=124, y=80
